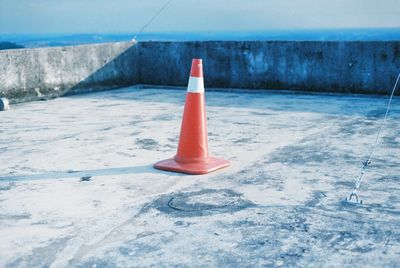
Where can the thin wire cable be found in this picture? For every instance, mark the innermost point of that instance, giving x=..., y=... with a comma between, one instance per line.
x=367, y=162
x=153, y=18
x=384, y=119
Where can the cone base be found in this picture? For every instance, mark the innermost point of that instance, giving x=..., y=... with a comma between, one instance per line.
x=196, y=168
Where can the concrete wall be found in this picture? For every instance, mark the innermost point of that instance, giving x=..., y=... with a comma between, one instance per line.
x=30, y=74
x=361, y=67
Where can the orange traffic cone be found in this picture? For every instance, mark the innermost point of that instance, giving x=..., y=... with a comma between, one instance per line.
x=192, y=155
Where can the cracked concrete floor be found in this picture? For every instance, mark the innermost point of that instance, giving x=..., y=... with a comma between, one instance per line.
x=294, y=157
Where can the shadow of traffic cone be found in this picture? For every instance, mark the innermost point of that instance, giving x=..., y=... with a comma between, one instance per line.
x=192, y=155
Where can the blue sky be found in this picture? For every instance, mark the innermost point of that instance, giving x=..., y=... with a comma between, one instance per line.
x=126, y=16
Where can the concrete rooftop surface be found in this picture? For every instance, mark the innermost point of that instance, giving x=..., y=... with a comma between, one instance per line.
x=294, y=157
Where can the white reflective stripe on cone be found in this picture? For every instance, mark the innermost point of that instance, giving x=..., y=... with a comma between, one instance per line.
x=196, y=85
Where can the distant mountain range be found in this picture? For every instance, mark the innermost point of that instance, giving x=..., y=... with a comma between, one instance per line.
x=9, y=45
x=44, y=40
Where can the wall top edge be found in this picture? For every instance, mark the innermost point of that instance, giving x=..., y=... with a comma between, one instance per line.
x=134, y=42
x=70, y=47
x=271, y=41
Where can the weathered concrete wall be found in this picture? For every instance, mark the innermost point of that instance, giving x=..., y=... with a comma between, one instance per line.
x=362, y=67
x=29, y=74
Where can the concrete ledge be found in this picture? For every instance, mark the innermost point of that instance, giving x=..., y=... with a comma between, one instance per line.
x=353, y=67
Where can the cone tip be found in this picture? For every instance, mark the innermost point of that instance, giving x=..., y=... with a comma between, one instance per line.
x=197, y=68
